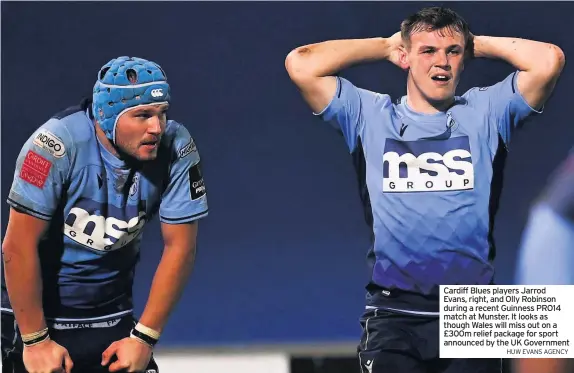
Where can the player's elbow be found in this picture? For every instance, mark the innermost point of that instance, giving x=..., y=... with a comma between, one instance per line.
x=5, y=247
x=298, y=64
x=553, y=61
x=184, y=254
x=20, y=241
x=558, y=58
x=9, y=248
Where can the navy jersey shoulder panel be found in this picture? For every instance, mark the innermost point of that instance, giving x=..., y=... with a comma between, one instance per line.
x=81, y=107
x=496, y=186
x=360, y=165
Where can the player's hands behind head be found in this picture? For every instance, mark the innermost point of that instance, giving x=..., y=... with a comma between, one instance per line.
x=132, y=356
x=47, y=357
x=396, y=47
x=469, y=52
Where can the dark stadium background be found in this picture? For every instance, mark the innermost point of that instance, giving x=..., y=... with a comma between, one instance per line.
x=281, y=256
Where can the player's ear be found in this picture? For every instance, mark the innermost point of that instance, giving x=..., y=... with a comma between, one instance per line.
x=404, y=58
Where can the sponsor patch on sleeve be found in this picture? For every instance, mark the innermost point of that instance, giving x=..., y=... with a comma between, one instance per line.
x=35, y=169
x=51, y=143
x=187, y=149
x=196, y=185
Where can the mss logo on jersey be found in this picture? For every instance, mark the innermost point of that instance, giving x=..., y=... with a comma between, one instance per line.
x=88, y=225
x=427, y=165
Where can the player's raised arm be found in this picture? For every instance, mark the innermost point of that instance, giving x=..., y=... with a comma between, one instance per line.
x=539, y=64
x=312, y=67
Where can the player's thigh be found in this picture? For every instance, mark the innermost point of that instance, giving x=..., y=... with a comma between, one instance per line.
x=86, y=346
x=122, y=330
x=86, y=343
x=151, y=368
x=388, y=344
x=468, y=366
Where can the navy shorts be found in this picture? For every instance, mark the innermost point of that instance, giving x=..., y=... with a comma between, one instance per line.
x=85, y=343
x=395, y=342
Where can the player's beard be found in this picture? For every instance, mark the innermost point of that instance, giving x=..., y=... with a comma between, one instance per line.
x=135, y=152
x=144, y=155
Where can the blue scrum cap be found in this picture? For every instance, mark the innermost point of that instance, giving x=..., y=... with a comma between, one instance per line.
x=124, y=83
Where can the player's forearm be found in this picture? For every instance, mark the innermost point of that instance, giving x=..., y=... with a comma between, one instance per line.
x=522, y=54
x=24, y=284
x=329, y=57
x=168, y=283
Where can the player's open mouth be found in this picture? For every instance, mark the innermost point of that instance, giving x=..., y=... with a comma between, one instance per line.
x=441, y=78
x=150, y=144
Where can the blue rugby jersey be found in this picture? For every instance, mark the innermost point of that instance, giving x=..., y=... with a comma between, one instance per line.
x=97, y=206
x=546, y=254
x=430, y=185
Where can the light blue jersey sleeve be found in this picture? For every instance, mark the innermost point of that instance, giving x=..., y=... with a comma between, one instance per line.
x=546, y=254
x=185, y=198
x=507, y=108
x=347, y=109
x=42, y=170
